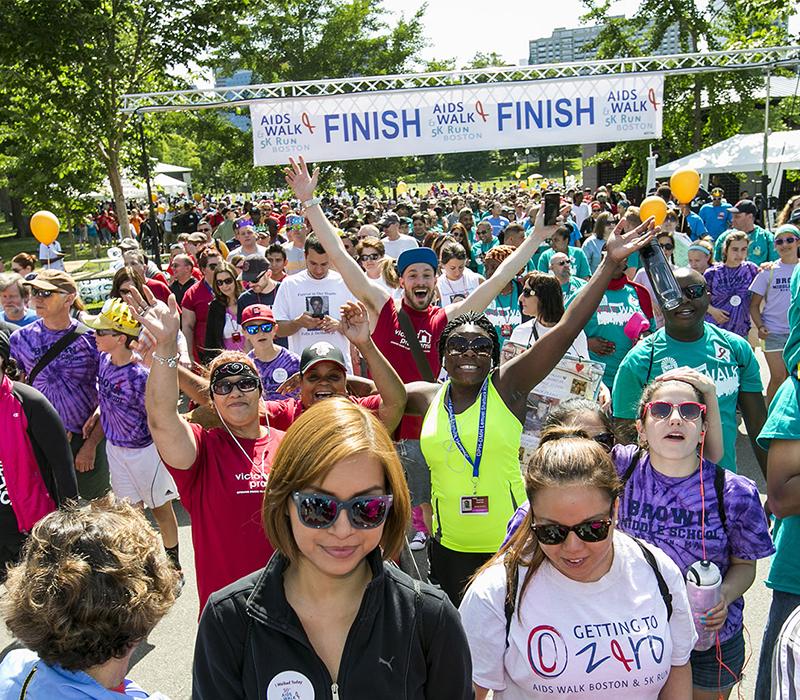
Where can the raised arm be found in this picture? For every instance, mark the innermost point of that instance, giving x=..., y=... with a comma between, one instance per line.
x=484, y=293
x=303, y=186
x=517, y=377
x=171, y=433
x=355, y=327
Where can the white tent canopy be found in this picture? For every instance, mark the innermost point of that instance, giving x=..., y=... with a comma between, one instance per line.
x=743, y=154
x=170, y=185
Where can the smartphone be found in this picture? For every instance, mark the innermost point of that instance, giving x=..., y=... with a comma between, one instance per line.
x=552, y=204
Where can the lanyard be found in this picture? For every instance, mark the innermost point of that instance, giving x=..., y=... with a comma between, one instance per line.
x=451, y=415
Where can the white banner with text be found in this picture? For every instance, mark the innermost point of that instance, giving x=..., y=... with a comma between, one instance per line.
x=466, y=118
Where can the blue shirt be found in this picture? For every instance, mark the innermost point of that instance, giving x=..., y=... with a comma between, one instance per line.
x=29, y=317
x=498, y=223
x=716, y=219
x=696, y=226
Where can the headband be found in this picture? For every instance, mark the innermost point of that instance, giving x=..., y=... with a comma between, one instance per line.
x=232, y=369
x=700, y=249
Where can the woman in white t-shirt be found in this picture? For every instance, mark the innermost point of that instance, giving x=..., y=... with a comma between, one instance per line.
x=456, y=281
x=543, y=300
x=570, y=607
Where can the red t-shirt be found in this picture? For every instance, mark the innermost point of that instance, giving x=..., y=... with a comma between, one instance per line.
x=197, y=299
x=283, y=413
x=222, y=493
x=390, y=340
x=160, y=290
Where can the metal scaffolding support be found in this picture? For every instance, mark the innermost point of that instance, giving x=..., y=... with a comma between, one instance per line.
x=676, y=64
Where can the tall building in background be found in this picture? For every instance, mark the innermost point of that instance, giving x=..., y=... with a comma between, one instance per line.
x=565, y=45
x=238, y=79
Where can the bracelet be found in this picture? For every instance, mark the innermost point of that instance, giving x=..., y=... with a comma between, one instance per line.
x=167, y=361
x=311, y=202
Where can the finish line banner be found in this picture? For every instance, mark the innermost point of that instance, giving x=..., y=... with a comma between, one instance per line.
x=453, y=120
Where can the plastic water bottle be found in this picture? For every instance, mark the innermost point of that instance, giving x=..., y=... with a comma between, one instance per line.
x=667, y=290
x=704, y=584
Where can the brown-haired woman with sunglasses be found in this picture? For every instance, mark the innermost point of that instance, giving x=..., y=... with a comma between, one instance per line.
x=223, y=331
x=571, y=607
x=329, y=616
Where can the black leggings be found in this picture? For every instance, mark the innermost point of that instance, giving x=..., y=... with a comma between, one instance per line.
x=452, y=570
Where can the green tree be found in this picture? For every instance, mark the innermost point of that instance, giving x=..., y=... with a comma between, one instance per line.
x=73, y=60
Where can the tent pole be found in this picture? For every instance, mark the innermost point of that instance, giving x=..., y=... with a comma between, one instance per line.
x=764, y=173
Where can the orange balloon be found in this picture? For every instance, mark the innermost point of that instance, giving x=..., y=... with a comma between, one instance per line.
x=684, y=184
x=653, y=206
x=45, y=226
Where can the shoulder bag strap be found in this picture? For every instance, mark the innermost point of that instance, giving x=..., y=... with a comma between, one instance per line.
x=413, y=344
x=663, y=588
x=55, y=350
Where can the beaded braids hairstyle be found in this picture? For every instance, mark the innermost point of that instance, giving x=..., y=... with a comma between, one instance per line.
x=480, y=320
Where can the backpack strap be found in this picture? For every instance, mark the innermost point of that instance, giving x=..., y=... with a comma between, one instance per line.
x=511, y=601
x=55, y=350
x=631, y=467
x=663, y=588
x=719, y=489
x=413, y=344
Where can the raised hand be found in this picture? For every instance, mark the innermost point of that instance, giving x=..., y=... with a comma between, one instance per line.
x=162, y=321
x=354, y=323
x=620, y=245
x=297, y=177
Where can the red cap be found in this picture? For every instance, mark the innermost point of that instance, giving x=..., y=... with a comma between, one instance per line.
x=257, y=312
x=597, y=205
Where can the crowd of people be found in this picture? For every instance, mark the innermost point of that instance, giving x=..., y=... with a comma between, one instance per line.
x=304, y=355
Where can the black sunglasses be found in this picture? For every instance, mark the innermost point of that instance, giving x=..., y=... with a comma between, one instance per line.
x=265, y=327
x=694, y=291
x=588, y=531
x=319, y=511
x=668, y=246
x=226, y=281
x=528, y=292
x=44, y=293
x=372, y=256
x=458, y=345
x=224, y=386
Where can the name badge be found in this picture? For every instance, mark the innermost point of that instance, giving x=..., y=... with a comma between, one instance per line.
x=474, y=505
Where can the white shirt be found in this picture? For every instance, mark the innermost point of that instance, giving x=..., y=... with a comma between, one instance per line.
x=524, y=335
x=451, y=291
x=573, y=636
x=580, y=212
x=295, y=258
x=294, y=297
x=394, y=248
x=48, y=252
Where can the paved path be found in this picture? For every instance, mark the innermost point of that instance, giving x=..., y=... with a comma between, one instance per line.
x=164, y=662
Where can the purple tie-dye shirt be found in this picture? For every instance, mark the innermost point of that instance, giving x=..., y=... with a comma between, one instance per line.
x=122, y=412
x=665, y=511
x=276, y=372
x=69, y=381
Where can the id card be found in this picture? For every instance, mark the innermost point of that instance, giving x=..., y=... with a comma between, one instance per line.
x=474, y=505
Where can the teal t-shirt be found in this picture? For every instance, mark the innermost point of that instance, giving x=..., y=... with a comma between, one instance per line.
x=760, y=250
x=608, y=322
x=725, y=357
x=504, y=313
x=574, y=284
x=578, y=263
x=479, y=250
x=783, y=423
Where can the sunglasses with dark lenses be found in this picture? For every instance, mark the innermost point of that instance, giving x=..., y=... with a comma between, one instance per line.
x=688, y=410
x=372, y=256
x=785, y=241
x=44, y=293
x=694, y=291
x=224, y=386
x=458, y=345
x=668, y=246
x=226, y=281
x=265, y=327
x=589, y=531
x=562, y=263
x=606, y=441
x=320, y=511
x=528, y=292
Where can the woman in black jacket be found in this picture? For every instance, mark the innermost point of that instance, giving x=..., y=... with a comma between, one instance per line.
x=328, y=617
x=223, y=331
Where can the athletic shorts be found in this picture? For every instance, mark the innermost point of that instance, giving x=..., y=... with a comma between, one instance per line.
x=139, y=474
x=709, y=674
x=775, y=342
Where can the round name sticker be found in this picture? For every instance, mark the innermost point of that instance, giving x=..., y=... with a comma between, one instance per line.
x=736, y=300
x=290, y=685
x=280, y=375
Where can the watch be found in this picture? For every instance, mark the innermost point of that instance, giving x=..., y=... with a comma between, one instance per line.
x=311, y=202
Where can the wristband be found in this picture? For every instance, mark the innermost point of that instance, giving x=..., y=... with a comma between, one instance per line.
x=167, y=361
x=311, y=202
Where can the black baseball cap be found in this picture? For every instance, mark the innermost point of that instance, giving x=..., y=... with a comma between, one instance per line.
x=321, y=351
x=744, y=206
x=253, y=267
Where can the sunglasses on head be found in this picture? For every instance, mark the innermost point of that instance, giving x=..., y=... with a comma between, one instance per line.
x=458, y=345
x=319, y=511
x=44, y=293
x=223, y=387
x=786, y=241
x=371, y=256
x=588, y=531
x=688, y=410
x=265, y=327
x=694, y=291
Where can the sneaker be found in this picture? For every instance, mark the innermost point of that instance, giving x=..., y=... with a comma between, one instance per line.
x=418, y=542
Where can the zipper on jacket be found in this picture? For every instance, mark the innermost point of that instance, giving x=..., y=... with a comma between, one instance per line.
x=335, y=691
